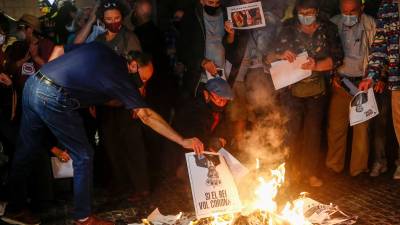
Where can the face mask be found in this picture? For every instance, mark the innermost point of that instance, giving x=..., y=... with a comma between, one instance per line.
x=210, y=10
x=2, y=39
x=114, y=27
x=306, y=20
x=135, y=78
x=176, y=24
x=350, y=20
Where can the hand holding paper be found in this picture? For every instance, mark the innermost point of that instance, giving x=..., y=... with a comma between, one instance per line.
x=285, y=73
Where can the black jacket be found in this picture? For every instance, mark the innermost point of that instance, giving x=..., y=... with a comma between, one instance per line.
x=195, y=119
x=191, y=46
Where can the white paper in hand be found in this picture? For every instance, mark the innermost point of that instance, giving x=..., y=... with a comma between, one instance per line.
x=363, y=107
x=62, y=169
x=284, y=73
x=237, y=169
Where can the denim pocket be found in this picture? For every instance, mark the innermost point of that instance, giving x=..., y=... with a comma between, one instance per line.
x=57, y=101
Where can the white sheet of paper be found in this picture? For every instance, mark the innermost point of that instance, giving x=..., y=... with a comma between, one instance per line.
x=237, y=169
x=213, y=187
x=228, y=68
x=363, y=107
x=3, y=206
x=62, y=169
x=158, y=219
x=284, y=73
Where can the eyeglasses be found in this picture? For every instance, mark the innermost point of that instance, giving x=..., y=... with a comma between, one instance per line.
x=109, y=5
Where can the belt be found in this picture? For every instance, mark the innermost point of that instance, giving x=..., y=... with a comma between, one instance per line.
x=42, y=78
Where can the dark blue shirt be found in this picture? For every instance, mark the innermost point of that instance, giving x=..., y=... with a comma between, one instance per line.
x=94, y=74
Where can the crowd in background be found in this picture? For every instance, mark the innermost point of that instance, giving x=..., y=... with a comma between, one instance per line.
x=188, y=41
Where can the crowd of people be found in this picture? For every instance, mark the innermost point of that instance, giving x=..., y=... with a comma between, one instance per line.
x=121, y=92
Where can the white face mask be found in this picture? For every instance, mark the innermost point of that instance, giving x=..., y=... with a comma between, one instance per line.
x=350, y=20
x=2, y=39
x=307, y=20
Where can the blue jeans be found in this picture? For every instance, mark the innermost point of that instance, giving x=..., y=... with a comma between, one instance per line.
x=48, y=107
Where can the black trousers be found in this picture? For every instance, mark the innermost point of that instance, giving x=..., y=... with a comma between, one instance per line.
x=122, y=139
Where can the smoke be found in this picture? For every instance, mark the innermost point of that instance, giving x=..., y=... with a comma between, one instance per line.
x=265, y=140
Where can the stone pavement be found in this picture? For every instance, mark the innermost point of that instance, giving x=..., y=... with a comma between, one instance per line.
x=375, y=200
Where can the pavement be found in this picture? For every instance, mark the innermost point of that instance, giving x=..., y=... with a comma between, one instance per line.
x=376, y=201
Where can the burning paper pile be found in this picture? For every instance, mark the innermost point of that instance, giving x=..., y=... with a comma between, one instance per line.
x=264, y=210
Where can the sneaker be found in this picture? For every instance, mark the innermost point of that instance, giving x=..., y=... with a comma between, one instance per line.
x=377, y=169
x=23, y=217
x=93, y=221
x=396, y=174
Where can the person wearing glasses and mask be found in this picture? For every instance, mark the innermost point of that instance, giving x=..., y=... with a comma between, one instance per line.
x=306, y=99
x=357, y=31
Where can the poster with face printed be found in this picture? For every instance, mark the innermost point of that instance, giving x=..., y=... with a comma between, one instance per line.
x=213, y=187
x=246, y=16
x=363, y=107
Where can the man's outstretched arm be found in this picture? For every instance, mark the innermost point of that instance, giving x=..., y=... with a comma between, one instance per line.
x=158, y=124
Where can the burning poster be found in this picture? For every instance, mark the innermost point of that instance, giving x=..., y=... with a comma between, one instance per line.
x=363, y=107
x=238, y=170
x=285, y=73
x=246, y=16
x=213, y=187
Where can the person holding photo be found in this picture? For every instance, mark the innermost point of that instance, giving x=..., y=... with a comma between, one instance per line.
x=357, y=31
x=252, y=86
x=306, y=100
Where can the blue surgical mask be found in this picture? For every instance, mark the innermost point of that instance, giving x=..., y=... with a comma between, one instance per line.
x=307, y=20
x=350, y=20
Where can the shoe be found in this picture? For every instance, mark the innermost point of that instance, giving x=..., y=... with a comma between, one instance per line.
x=23, y=217
x=314, y=181
x=377, y=169
x=94, y=221
x=396, y=174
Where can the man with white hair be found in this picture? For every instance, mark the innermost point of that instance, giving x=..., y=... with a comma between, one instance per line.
x=357, y=31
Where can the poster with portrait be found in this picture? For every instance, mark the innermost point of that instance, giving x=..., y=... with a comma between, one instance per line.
x=246, y=16
x=213, y=187
x=363, y=107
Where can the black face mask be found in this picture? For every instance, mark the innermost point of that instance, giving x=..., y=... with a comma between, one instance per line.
x=176, y=24
x=135, y=78
x=211, y=10
x=214, y=107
